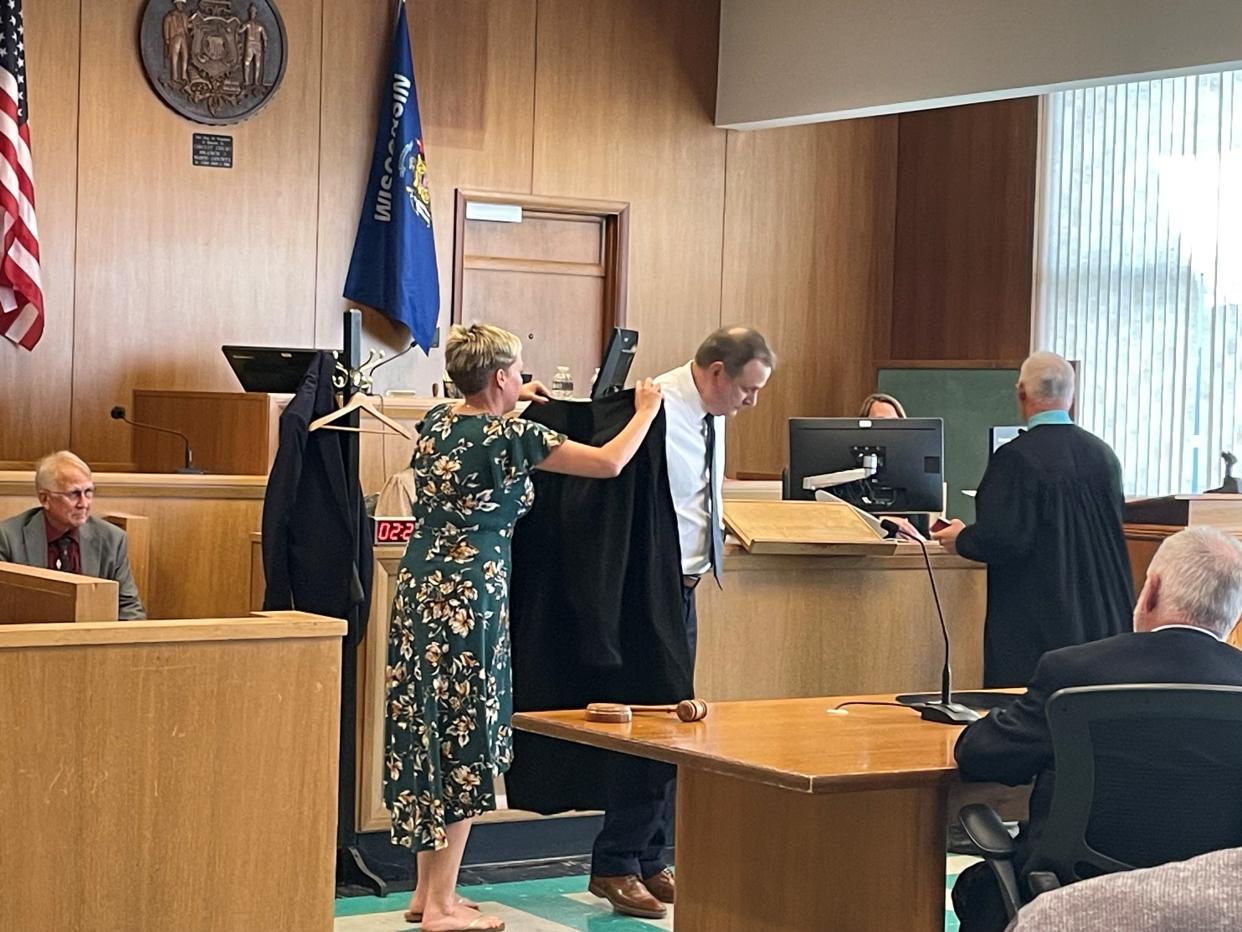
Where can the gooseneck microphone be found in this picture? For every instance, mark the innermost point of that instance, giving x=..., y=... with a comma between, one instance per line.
x=946, y=710
x=189, y=469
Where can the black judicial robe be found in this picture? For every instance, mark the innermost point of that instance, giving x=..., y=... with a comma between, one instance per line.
x=316, y=538
x=595, y=606
x=1049, y=526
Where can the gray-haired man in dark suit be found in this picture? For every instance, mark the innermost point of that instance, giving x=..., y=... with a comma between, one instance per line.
x=61, y=534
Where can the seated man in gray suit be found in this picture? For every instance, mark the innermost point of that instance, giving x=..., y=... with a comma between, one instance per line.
x=61, y=534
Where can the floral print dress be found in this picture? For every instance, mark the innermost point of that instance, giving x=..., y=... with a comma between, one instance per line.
x=449, y=697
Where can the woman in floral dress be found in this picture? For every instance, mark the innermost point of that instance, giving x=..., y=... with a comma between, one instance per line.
x=448, y=732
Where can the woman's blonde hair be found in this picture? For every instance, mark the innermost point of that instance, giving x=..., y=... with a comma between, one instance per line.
x=473, y=353
x=865, y=410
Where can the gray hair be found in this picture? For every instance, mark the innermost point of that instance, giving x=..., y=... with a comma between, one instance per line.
x=1048, y=378
x=1201, y=577
x=51, y=466
x=735, y=347
x=473, y=353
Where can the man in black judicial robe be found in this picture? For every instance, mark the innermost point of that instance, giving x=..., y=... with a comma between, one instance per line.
x=595, y=610
x=1049, y=526
x=606, y=575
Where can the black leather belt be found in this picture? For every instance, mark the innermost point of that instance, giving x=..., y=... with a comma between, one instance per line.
x=690, y=582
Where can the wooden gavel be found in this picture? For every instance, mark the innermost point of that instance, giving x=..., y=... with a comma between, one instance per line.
x=688, y=710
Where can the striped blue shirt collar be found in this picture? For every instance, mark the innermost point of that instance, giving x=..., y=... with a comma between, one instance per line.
x=1049, y=417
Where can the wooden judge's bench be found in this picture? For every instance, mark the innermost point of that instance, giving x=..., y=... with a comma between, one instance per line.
x=237, y=433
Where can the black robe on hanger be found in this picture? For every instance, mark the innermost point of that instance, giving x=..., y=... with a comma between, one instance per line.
x=316, y=536
x=595, y=606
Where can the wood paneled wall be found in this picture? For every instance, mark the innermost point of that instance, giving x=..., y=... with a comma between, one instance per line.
x=962, y=261
x=808, y=260
x=150, y=264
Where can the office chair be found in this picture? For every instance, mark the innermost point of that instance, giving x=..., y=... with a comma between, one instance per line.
x=1145, y=775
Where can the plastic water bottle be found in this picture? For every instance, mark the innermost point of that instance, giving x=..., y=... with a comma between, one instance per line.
x=562, y=383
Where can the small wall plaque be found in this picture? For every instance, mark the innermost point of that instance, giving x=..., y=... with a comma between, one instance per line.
x=213, y=151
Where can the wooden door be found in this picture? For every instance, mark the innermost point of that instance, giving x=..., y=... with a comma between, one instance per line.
x=554, y=275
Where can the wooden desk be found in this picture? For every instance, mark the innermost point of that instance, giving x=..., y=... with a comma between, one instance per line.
x=819, y=625
x=844, y=815
x=199, y=562
x=170, y=774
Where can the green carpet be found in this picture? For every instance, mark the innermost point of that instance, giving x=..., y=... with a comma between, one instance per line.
x=554, y=904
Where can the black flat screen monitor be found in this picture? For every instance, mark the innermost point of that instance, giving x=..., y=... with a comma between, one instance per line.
x=269, y=368
x=999, y=436
x=908, y=452
x=615, y=368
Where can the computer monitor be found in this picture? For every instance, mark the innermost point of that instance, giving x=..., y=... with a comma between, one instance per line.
x=999, y=436
x=615, y=368
x=906, y=454
x=269, y=368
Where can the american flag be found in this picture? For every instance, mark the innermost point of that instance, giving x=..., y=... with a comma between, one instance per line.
x=21, y=287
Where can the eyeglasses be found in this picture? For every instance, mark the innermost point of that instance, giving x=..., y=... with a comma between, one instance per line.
x=76, y=495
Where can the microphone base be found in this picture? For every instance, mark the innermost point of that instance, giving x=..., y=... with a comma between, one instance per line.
x=190, y=471
x=947, y=713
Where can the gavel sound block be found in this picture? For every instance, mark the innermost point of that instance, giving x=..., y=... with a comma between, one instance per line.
x=688, y=710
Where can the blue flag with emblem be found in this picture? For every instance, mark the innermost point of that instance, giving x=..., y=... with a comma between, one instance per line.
x=393, y=268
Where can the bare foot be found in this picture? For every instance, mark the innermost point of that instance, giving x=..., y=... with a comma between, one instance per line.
x=418, y=905
x=462, y=917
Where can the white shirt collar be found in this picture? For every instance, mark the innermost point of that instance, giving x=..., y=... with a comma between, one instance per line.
x=684, y=376
x=1211, y=634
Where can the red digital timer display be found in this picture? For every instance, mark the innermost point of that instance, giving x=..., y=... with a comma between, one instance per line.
x=394, y=530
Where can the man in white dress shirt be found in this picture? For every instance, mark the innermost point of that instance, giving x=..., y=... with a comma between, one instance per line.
x=725, y=376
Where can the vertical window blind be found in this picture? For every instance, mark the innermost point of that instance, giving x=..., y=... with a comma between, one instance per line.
x=1139, y=270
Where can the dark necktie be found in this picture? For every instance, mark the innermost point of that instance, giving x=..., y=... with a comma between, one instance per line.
x=62, y=550
x=716, y=546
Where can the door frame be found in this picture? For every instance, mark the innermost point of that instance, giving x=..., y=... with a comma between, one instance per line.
x=615, y=247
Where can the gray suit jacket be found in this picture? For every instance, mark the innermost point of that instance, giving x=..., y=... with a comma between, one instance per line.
x=105, y=554
x=1199, y=895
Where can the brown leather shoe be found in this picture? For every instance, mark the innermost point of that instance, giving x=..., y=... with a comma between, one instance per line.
x=628, y=896
x=663, y=886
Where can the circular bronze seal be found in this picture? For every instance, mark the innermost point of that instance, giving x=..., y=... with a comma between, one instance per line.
x=210, y=62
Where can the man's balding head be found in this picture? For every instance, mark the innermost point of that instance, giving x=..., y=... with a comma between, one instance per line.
x=730, y=367
x=1046, y=383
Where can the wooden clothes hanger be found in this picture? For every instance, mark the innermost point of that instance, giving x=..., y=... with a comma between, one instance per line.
x=361, y=403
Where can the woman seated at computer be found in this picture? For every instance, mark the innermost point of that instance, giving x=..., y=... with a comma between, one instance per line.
x=879, y=405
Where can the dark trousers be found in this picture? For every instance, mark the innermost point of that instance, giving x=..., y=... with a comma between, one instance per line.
x=642, y=802
x=977, y=900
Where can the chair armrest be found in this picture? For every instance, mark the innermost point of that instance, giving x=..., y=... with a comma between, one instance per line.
x=986, y=831
x=1042, y=882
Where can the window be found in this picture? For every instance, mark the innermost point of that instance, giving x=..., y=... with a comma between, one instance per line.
x=1139, y=270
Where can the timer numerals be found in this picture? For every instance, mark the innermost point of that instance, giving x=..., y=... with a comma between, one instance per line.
x=393, y=530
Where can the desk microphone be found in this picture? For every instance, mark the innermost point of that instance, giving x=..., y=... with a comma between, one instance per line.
x=946, y=710
x=189, y=469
